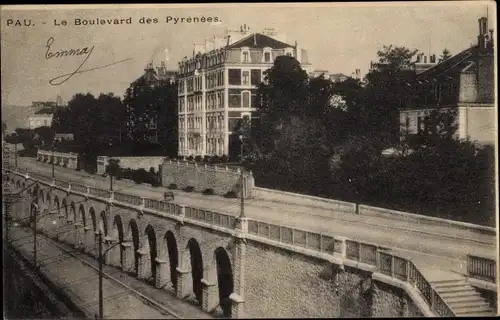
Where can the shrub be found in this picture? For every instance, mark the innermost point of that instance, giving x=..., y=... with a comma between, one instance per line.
x=189, y=189
x=224, y=159
x=190, y=158
x=65, y=165
x=172, y=186
x=231, y=194
x=206, y=159
x=78, y=169
x=152, y=170
x=198, y=159
x=209, y=192
x=215, y=159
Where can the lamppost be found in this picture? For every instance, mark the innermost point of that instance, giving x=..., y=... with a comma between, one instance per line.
x=242, y=181
x=110, y=174
x=34, y=212
x=53, y=162
x=100, y=259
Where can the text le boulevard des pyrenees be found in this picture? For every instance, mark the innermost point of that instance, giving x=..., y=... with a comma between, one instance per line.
x=115, y=21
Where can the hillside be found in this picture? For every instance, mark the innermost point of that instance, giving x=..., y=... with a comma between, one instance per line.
x=15, y=116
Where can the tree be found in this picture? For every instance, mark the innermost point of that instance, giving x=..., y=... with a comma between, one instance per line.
x=148, y=106
x=387, y=91
x=446, y=54
x=113, y=167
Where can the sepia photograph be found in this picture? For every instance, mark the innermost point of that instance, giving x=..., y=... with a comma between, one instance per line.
x=265, y=160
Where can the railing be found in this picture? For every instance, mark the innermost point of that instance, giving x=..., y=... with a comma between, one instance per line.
x=79, y=188
x=126, y=198
x=481, y=268
x=309, y=240
x=99, y=193
x=40, y=177
x=63, y=184
x=215, y=218
x=386, y=263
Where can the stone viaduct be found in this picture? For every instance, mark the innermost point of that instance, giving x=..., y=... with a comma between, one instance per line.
x=226, y=264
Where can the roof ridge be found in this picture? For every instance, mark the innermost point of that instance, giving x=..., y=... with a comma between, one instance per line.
x=467, y=53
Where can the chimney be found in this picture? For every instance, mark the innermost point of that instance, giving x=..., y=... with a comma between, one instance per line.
x=483, y=32
x=419, y=58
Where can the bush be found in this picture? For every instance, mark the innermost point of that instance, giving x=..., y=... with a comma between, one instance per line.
x=78, y=169
x=172, y=186
x=190, y=158
x=189, y=189
x=65, y=165
x=231, y=194
x=206, y=159
x=198, y=159
x=152, y=170
x=215, y=159
x=209, y=192
x=224, y=159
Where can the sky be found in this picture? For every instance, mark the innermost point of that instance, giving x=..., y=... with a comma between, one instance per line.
x=338, y=37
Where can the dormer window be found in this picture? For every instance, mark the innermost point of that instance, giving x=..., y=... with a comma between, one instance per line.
x=267, y=56
x=245, y=55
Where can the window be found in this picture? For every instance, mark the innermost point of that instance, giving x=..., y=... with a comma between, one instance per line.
x=245, y=77
x=245, y=56
x=267, y=56
x=235, y=77
x=256, y=77
x=245, y=98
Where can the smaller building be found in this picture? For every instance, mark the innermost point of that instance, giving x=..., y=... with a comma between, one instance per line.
x=464, y=84
x=41, y=118
x=335, y=77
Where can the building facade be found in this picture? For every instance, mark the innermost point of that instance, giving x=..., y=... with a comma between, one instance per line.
x=42, y=113
x=463, y=83
x=218, y=87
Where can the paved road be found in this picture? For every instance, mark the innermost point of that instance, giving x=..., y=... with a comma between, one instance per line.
x=439, y=246
x=80, y=282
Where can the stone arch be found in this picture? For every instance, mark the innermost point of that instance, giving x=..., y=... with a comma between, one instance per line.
x=90, y=229
x=193, y=259
x=92, y=218
x=73, y=216
x=48, y=200
x=81, y=211
x=224, y=279
x=65, y=207
x=63, y=219
x=171, y=254
x=116, y=254
x=133, y=236
x=41, y=198
x=148, y=251
x=103, y=225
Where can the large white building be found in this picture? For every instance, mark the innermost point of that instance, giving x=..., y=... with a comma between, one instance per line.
x=218, y=86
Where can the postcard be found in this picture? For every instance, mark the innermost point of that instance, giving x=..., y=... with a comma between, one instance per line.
x=266, y=160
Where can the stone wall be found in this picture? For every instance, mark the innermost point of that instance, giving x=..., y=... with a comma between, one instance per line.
x=131, y=162
x=478, y=123
x=310, y=287
x=201, y=177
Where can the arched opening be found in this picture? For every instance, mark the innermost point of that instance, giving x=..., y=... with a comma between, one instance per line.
x=196, y=268
x=49, y=202
x=117, y=235
x=92, y=218
x=82, y=215
x=73, y=212
x=133, y=234
x=65, y=206
x=103, y=231
x=224, y=280
x=173, y=257
x=151, y=243
x=41, y=198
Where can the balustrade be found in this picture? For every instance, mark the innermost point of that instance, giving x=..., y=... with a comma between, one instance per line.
x=126, y=198
x=481, y=268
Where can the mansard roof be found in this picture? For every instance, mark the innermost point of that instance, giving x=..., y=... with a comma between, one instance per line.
x=257, y=40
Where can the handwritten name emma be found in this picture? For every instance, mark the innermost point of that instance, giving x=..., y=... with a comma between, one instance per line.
x=83, y=52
